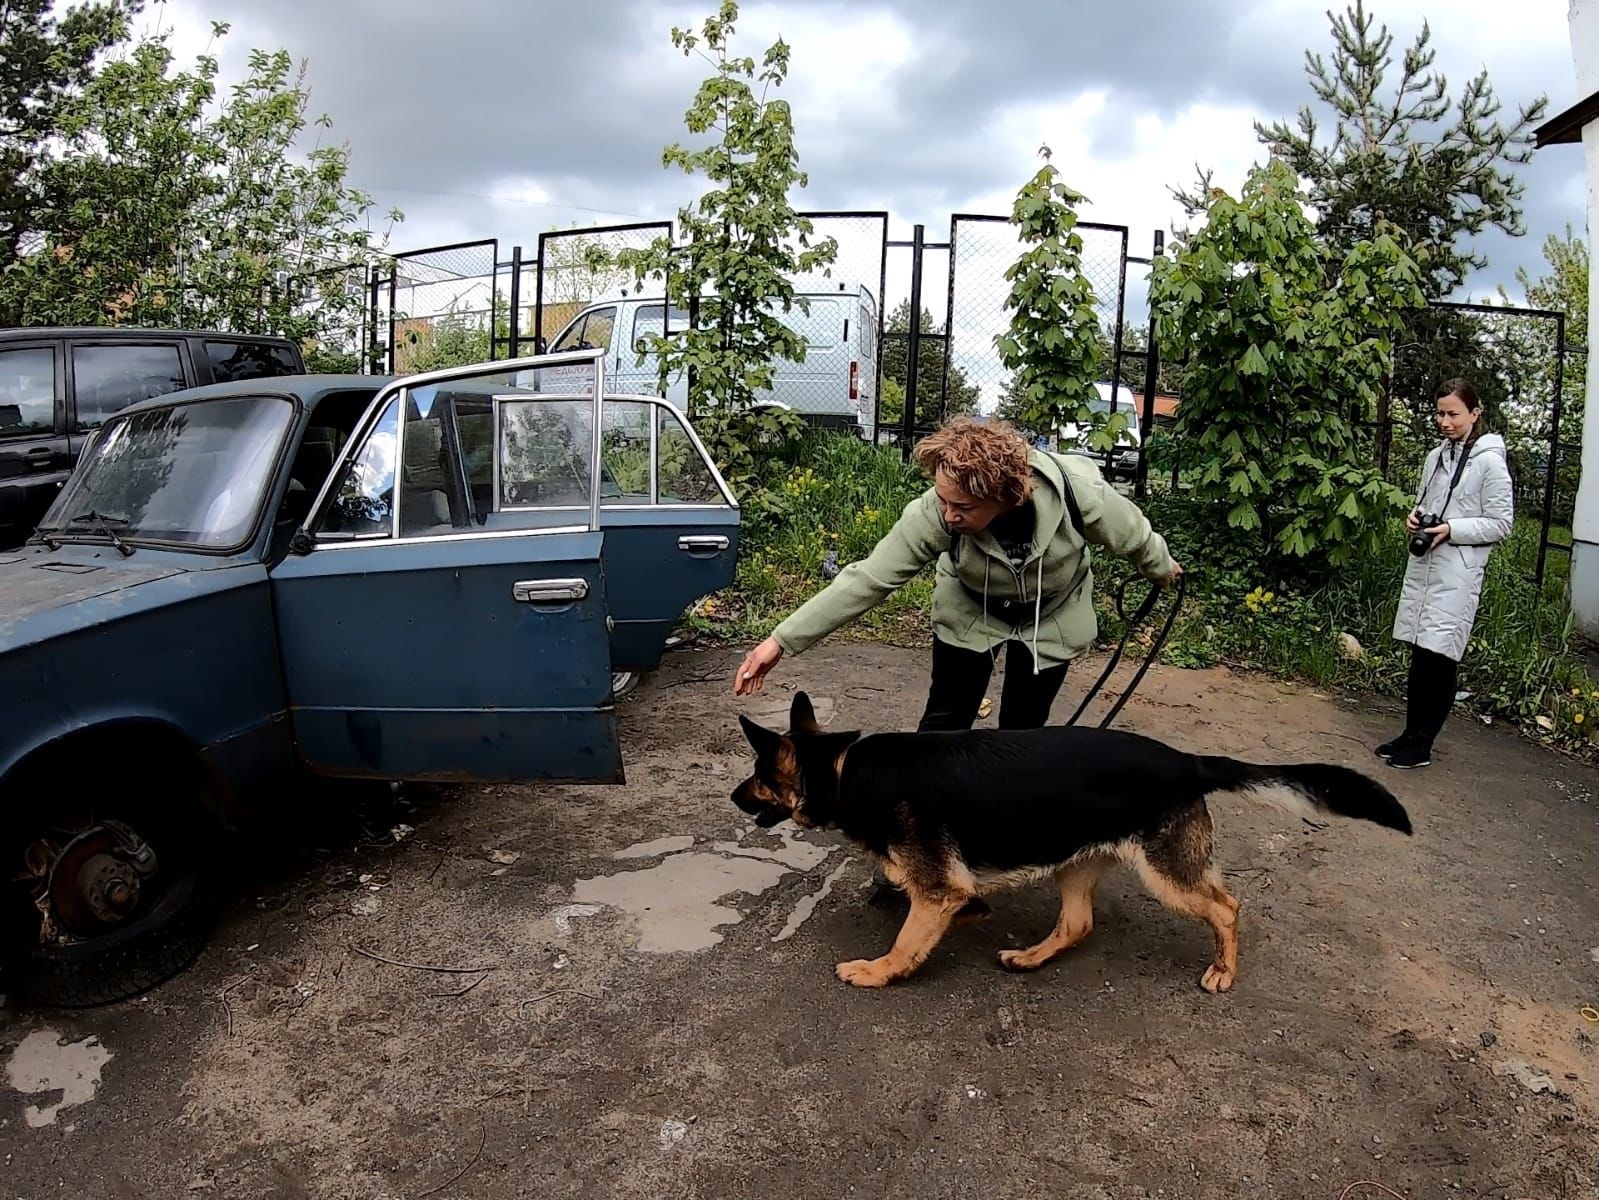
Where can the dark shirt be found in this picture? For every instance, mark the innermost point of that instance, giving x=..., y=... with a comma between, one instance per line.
x=1014, y=532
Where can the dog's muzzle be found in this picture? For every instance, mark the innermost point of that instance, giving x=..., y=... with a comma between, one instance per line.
x=766, y=815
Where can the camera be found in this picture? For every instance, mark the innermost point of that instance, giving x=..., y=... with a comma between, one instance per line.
x=1421, y=540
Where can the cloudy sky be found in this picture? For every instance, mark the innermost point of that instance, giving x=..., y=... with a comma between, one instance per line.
x=502, y=118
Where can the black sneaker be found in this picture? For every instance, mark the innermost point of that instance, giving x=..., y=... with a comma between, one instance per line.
x=1409, y=756
x=1386, y=750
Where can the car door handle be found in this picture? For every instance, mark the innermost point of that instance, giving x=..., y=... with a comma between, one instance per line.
x=700, y=543
x=549, y=591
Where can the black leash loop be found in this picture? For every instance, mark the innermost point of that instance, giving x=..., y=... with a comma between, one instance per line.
x=1145, y=607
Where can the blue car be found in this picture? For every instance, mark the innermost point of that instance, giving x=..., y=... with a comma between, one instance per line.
x=438, y=578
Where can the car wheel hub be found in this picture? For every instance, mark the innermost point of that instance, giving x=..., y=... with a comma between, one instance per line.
x=91, y=883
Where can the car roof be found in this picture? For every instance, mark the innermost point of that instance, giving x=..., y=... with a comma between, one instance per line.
x=120, y=333
x=308, y=389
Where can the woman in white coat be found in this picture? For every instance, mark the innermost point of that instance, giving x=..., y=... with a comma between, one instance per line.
x=1463, y=508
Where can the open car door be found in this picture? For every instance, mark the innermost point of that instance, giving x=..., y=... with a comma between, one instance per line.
x=429, y=632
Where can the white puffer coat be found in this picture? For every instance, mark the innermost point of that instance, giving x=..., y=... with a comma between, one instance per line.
x=1442, y=587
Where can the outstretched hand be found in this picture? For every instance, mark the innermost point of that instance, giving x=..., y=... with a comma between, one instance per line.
x=757, y=664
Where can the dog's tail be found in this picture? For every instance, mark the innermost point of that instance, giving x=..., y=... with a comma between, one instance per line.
x=1309, y=790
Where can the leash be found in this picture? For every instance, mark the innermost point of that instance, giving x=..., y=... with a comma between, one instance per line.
x=1146, y=607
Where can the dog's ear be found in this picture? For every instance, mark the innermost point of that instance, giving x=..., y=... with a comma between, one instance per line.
x=801, y=716
x=764, y=740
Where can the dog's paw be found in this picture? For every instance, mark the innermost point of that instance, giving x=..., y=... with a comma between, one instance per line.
x=1020, y=960
x=863, y=972
x=1217, y=979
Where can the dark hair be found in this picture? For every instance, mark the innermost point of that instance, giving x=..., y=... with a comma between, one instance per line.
x=1473, y=402
x=1463, y=389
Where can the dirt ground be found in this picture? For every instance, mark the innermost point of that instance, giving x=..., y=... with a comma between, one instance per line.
x=657, y=1016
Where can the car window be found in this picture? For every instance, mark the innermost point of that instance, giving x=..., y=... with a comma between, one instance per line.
x=821, y=327
x=185, y=474
x=650, y=320
x=363, y=506
x=591, y=332
x=27, y=391
x=684, y=477
x=545, y=452
x=427, y=477
x=231, y=361
x=106, y=379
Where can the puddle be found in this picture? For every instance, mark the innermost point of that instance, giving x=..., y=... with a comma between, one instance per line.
x=45, y=1063
x=676, y=902
x=807, y=905
x=664, y=845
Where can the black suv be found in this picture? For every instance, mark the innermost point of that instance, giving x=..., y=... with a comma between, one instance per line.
x=58, y=385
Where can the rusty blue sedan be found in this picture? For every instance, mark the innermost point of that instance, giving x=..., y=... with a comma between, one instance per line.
x=440, y=578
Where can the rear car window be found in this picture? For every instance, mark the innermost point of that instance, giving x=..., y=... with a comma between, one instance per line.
x=27, y=391
x=231, y=361
x=106, y=379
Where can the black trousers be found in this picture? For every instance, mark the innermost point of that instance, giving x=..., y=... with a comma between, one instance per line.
x=960, y=677
x=1430, y=696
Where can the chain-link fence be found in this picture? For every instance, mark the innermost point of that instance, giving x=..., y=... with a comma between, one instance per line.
x=440, y=306
x=840, y=316
x=576, y=269
x=981, y=249
x=329, y=312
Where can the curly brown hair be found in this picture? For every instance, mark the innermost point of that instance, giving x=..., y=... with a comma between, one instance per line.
x=986, y=459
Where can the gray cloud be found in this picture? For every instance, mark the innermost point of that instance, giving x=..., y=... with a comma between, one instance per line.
x=581, y=98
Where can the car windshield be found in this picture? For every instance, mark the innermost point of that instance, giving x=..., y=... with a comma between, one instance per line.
x=1124, y=405
x=186, y=474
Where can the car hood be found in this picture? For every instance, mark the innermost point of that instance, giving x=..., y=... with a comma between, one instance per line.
x=44, y=593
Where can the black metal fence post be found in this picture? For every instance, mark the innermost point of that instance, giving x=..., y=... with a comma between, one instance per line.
x=538, y=295
x=374, y=281
x=514, y=350
x=913, y=345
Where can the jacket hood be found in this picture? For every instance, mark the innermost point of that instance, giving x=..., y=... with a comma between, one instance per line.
x=1488, y=443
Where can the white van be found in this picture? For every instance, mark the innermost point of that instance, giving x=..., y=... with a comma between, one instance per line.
x=835, y=385
x=1122, y=461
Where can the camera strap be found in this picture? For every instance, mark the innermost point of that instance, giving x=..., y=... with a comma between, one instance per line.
x=1454, y=479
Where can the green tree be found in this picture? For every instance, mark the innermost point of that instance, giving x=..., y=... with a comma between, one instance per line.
x=1053, y=344
x=1411, y=156
x=164, y=204
x=48, y=54
x=1288, y=341
x=740, y=245
x=933, y=402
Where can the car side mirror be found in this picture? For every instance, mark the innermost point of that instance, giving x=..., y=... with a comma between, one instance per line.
x=301, y=543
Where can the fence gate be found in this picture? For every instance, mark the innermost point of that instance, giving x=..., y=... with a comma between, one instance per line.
x=442, y=303
x=576, y=268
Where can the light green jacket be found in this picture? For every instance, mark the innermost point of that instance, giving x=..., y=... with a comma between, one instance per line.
x=1058, y=629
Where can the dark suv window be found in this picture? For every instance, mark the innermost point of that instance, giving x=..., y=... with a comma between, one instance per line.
x=249, y=360
x=106, y=379
x=27, y=391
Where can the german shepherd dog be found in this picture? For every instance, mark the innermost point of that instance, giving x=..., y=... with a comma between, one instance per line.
x=952, y=816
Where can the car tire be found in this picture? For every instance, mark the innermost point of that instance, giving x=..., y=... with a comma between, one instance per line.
x=126, y=962
x=624, y=684
x=163, y=936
